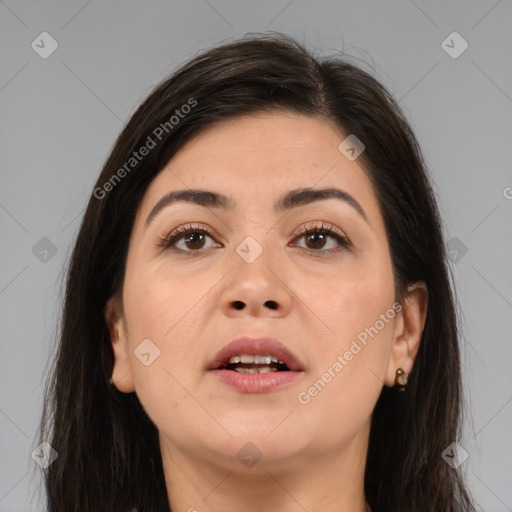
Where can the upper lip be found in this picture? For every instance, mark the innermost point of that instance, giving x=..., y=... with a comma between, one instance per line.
x=255, y=346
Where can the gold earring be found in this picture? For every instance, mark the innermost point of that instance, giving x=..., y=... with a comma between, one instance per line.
x=401, y=379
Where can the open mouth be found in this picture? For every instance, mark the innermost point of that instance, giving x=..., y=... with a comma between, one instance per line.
x=255, y=364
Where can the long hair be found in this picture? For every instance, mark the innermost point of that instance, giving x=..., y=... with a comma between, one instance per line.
x=108, y=450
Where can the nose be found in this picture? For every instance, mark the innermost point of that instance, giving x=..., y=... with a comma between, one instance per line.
x=257, y=288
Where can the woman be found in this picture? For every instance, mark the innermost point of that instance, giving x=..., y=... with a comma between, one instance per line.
x=258, y=313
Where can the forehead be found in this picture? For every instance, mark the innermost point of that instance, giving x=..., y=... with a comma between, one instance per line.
x=261, y=157
x=265, y=138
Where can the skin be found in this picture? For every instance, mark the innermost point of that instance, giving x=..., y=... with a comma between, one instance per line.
x=313, y=455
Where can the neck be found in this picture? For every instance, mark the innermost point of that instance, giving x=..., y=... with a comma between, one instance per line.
x=331, y=482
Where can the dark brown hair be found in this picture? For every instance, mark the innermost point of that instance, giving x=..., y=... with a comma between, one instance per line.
x=109, y=457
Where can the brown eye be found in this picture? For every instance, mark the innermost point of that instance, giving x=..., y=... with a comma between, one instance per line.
x=317, y=237
x=191, y=238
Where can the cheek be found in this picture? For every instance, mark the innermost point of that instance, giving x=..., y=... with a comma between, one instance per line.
x=166, y=313
x=349, y=300
x=160, y=302
x=348, y=372
x=343, y=404
x=158, y=310
x=351, y=353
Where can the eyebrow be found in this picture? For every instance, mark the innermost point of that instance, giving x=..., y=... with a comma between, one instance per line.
x=290, y=200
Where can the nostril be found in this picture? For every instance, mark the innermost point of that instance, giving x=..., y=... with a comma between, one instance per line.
x=272, y=304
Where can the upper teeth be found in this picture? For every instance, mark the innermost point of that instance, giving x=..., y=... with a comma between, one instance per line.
x=254, y=359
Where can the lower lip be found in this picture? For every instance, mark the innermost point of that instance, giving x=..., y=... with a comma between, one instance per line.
x=255, y=382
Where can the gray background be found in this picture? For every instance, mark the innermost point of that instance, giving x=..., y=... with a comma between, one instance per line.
x=61, y=115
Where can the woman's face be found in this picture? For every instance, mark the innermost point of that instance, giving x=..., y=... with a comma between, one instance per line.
x=254, y=274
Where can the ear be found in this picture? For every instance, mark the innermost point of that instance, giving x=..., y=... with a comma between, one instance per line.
x=122, y=376
x=408, y=331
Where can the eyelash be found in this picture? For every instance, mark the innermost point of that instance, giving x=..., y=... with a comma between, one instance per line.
x=168, y=241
